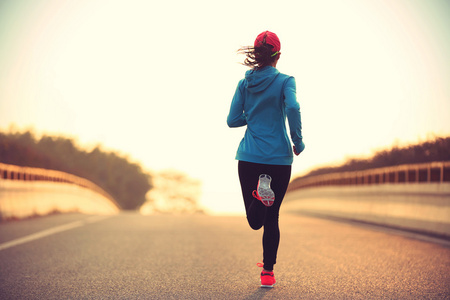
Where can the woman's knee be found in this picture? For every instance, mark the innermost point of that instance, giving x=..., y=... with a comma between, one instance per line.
x=255, y=224
x=272, y=219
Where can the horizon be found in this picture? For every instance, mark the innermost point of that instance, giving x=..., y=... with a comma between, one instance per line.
x=14, y=129
x=162, y=179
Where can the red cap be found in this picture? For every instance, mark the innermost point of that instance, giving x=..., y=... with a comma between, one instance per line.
x=270, y=38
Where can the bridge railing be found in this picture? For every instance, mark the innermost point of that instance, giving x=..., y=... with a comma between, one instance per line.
x=434, y=172
x=413, y=197
x=12, y=172
x=26, y=191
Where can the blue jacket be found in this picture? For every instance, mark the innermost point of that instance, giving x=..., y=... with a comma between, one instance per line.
x=262, y=101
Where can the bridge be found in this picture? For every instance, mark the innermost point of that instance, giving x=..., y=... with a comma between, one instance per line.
x=413, y=197
x=325, y=252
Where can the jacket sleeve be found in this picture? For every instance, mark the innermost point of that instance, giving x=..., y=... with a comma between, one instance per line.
x=236, y=116
x=292, y=109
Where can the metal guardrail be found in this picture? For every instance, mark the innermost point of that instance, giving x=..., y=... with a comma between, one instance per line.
x=12, y=172
x=434, y=172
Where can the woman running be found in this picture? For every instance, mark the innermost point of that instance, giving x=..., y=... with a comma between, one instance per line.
x=262, y=101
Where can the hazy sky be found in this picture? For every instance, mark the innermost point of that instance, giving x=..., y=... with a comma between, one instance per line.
x=154, y=79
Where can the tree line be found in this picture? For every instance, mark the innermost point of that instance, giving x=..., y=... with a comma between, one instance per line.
x=429, y=151
x=123, y=180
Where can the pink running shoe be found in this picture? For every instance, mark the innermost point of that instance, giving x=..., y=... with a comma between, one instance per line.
x=263, y=192
x=267, y=279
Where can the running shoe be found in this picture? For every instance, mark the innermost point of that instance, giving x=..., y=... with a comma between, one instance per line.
x=267, y=279
x=263, y=192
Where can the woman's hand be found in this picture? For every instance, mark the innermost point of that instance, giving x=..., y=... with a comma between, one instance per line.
x=298, y=151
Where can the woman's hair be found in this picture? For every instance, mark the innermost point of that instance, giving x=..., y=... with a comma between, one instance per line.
x=258, y=57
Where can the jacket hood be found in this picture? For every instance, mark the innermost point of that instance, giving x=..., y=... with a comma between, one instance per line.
x=260, y=79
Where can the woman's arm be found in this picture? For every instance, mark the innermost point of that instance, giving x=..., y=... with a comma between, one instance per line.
x=293, y=114
x=236, y=116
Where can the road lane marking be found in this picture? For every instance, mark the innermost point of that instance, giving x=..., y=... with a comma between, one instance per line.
x=50, y=231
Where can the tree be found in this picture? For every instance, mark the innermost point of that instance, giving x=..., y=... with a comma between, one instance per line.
x=429, y=151
x=123, y=180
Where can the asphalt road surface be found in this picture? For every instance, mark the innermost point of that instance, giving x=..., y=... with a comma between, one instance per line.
x=129, y=256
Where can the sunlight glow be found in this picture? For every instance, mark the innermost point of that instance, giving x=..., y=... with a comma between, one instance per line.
x=155, y=79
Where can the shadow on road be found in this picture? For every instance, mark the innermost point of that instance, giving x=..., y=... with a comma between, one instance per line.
x=259, y=293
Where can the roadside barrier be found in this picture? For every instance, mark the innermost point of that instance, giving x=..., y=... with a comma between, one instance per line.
x=26, y=191
x=414, y=197
x=434, y=172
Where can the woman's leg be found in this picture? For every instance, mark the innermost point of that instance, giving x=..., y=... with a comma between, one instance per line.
x=271, y=237
x=258, y=214
x=255, y=209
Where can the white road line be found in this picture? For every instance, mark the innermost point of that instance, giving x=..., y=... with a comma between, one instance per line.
x=50, y=231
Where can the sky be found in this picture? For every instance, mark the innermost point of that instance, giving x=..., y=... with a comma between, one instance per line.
x=153, y=80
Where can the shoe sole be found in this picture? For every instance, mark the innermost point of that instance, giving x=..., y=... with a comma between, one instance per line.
x=265, y=200
x=267, y=195
x=267, y=285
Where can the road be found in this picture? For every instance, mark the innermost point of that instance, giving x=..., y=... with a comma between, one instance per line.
x=129, y=256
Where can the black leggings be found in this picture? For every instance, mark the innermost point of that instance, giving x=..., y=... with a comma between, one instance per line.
x=258, y=215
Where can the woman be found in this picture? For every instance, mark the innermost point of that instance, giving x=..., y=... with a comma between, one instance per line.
x=262, y=101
